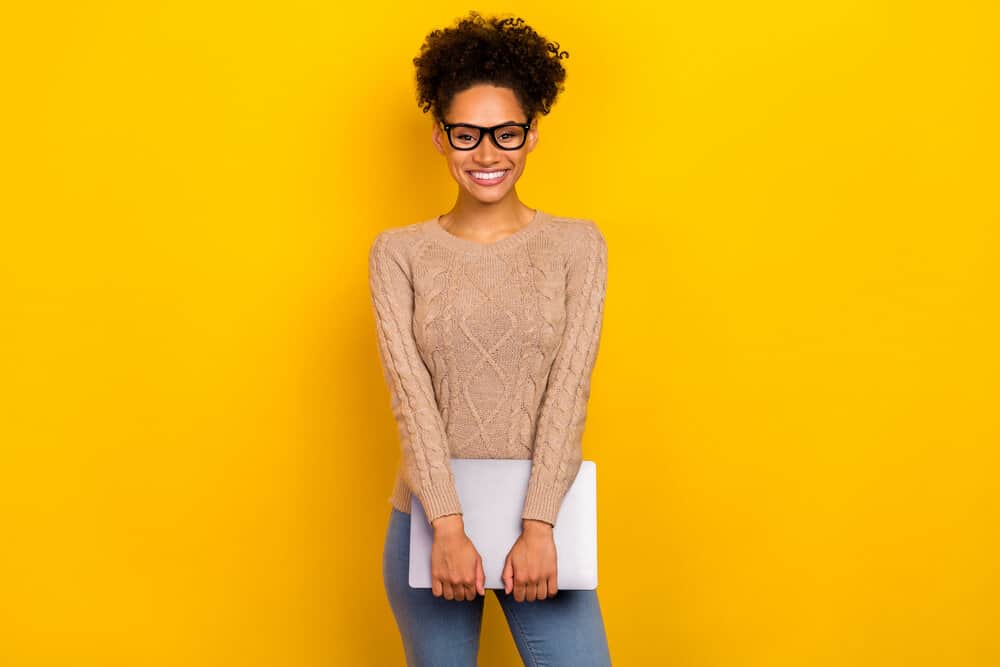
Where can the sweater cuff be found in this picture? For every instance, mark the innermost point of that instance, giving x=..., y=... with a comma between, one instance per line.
x=542, y=503
x=439, y=501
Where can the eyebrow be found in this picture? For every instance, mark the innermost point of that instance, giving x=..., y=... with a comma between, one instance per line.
x=503, y=122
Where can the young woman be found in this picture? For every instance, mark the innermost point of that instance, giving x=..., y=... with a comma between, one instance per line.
x=488, y=322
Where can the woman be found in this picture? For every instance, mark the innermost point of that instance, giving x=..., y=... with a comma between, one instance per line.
x=488, y=321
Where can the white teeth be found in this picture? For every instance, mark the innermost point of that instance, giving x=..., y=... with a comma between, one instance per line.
x=488, y=174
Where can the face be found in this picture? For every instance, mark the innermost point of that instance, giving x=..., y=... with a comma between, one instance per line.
x=485, y=105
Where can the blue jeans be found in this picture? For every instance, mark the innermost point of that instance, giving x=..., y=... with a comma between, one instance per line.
x=563, y=630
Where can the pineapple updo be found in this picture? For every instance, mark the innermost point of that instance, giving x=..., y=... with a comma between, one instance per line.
x=500, y=51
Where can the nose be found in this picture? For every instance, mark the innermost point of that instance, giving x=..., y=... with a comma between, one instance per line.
x=486, y=153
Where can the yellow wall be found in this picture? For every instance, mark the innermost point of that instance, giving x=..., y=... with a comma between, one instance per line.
x=795, y=408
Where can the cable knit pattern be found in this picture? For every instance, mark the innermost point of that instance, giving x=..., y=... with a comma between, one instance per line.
x=487, y=351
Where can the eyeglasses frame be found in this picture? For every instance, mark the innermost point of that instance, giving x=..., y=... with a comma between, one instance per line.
x=483, y=131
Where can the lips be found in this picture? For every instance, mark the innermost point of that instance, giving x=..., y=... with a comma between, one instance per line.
x=488, y=181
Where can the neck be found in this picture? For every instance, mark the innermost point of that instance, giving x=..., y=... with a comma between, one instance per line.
x=477, y=220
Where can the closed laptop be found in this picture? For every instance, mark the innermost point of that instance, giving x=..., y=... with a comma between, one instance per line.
x=492, y=493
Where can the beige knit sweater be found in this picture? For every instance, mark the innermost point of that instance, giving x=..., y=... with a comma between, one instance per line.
x=487, y=350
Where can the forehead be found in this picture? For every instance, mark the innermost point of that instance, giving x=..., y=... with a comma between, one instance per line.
x=484, y=104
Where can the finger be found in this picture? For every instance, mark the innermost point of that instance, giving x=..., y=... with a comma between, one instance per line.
x=529, y=591
x=470, y=591
x=449, y=594
x=541, y=591
x=519, y=587
x=436, y=587
x=508, y=576
x=480, y=577
x=553, y=585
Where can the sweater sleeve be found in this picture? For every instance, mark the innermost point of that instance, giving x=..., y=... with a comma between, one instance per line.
x=426, y=456
x=558, y=437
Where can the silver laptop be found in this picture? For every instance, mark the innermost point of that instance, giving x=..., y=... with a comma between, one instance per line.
x=492, y=493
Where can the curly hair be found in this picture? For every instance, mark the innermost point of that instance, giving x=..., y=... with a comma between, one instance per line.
x=503, y=52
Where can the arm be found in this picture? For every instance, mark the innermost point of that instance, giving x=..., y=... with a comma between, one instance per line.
x=558, y=438
x=426, y=456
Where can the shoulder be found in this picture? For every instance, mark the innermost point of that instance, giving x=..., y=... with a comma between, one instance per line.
x=395, y=242
x=582, y=235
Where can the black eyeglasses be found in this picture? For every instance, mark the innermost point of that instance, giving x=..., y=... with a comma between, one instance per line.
x=465, y=137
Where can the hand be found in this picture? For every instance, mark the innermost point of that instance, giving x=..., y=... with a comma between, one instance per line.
x=456, y=566
x=530, y=570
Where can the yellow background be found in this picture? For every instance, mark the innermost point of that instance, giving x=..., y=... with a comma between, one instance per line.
x=795, y=407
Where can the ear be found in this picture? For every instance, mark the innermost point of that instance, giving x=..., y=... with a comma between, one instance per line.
x=438, y=138
x=532, y=136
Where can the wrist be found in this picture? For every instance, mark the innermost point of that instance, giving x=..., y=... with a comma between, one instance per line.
x=535, y=525
x=449, y=523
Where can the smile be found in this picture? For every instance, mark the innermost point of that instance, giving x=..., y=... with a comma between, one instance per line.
x=491, y=177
